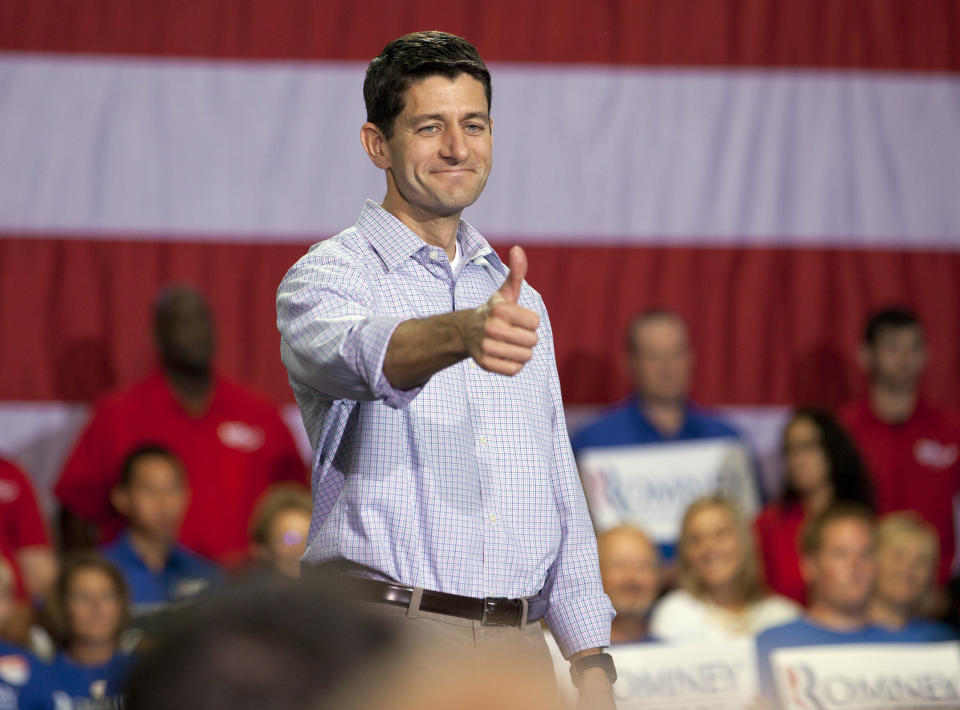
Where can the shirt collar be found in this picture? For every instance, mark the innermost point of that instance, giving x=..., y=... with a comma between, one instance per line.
x=395, y=242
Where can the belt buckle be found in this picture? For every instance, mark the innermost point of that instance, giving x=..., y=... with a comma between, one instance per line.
x=502, y=616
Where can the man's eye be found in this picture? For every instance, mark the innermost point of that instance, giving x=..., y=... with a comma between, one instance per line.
x=474, y=128
x=429, y=129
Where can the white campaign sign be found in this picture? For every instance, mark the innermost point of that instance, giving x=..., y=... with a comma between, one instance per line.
x=868, y=676
x=651, y=485
x=686, y=676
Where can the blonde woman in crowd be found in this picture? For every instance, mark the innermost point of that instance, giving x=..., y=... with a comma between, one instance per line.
x=721, y=595
x=908, y=554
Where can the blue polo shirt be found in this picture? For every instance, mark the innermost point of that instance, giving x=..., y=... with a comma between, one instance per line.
x=23, y=679
x=804, y=632
x=185, y=575
x=924, y=630
x=74, y=686
x=626, y=425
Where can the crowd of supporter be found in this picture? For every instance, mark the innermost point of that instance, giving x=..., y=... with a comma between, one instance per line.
x=184, y=483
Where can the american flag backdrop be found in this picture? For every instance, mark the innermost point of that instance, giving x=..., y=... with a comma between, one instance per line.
x=771, y=170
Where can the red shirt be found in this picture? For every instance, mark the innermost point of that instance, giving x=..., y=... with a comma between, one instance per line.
x=777, y=529
x=914, y=465
x=232, y=453
x=21, y=524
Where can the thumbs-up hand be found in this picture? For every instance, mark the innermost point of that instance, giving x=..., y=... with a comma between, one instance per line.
x=504, y=332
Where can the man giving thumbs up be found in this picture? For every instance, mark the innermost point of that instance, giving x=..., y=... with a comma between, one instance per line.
x=444, y=486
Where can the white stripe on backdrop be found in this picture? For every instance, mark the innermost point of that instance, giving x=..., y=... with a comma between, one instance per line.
x=270, y=150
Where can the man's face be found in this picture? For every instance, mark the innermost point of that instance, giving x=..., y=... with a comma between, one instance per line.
x=905, y=568
x=184, y=331
x=661, y=362
x=441, y=150
x=898, y=357
x=630, y=571
x=842, y=571
x=155, y=500
x=288, y=540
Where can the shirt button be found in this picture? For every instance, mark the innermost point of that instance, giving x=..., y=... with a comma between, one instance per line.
x=492, y=518
x=434, y=255
x=483, y=441
x=473, y=364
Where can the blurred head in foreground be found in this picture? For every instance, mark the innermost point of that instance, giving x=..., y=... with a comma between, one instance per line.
x=298, y=645
x=279, y=528
x=630, y=568
x=908, y=552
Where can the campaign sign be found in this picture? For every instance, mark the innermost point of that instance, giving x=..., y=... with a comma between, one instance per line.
x=868, y=676
x=651, y=485
x=686, y=676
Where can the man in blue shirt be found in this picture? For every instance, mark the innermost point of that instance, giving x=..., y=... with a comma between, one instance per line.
x=839, y=567
x=152, y=494
x=660, y=360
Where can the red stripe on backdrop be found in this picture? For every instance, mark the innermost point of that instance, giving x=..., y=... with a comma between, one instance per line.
x=771, y=326
x=873, y=34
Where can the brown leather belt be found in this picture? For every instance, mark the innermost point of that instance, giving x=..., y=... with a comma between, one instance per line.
x=489, y=611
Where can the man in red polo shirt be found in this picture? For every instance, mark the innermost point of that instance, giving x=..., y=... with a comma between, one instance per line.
x=911, y=446
x=232, y=442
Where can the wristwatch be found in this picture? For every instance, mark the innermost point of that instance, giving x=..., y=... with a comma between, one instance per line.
x=594, y=660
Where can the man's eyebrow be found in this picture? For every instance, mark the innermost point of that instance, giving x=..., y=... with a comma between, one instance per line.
x=482, y=115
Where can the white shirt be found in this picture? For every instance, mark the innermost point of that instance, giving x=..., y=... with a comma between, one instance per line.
x=680, y=616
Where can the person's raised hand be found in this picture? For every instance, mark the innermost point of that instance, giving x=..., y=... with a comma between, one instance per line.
x=503, y=333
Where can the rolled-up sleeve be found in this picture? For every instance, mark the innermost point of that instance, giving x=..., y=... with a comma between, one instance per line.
x=579, y=612
x=331, y=338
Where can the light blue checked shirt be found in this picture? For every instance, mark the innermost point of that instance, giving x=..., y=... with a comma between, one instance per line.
x=466, y=485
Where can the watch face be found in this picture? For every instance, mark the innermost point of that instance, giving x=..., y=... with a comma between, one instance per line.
x=594, y=660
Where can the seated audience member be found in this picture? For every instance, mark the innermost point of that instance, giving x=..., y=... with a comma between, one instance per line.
x=233, y=443
x=152, y=495
x=20, y=673
x=630, y=568
x=838, y=565
x=24, y=540
x=910, y=445
x=279, y=527
x=88, y=609
x=660, y=363
x=907, y=558
x=721, y=595
x=821, y=465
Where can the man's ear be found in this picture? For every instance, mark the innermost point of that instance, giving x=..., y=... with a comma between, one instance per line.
x=376, y=145
x=120, y=500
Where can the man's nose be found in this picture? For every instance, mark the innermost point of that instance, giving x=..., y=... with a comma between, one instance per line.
x=454, y=145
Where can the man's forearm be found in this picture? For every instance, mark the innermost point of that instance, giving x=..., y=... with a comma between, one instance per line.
x=421, y=347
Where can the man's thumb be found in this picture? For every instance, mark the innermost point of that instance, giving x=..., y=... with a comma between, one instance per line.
x=518, y=270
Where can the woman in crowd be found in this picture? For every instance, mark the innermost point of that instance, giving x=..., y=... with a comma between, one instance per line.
x=821, y=465
x=908, y=553
x=88, y=609
x=721, y=595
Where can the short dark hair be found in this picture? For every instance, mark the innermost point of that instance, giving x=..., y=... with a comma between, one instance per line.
x=889, y=318
x=811, y=536
x=279, y=644
x=410, y=58
x=847, y=472
x=146, y=451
